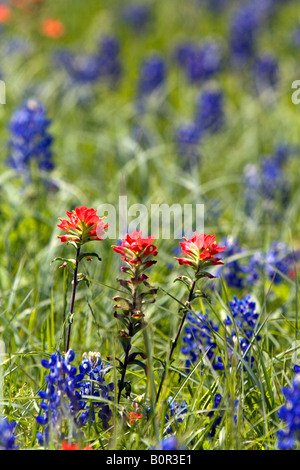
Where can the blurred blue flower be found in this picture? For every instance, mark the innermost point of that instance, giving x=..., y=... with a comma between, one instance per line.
x=176, y=413
x=137, y=15
x=209, y=116
x=288, y=437
x=108, y=56
x=152, y=75
x=234, y=271
x=102, y=65
x=243, y=33
x=187, y=140
x=216, y=6
x=280, y=259
x=241, y=272
x=274, y=184
x=169, y=443
x=7, y=436
x=266, y=72
x=295, y=37
x=29, y=138
x=81, y=68
x=200, y=62
x=266, y=186
x=17, y=45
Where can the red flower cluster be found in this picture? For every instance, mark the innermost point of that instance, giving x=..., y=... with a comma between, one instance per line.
x=200, y=249
x=67, y=446
x=5, y=13
x=135, y=249
x=53, y=28
x=134, y=417
x=83, y=225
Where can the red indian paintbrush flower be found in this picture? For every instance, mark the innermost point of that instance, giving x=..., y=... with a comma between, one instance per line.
x=5, y=13
x=83, y=225
x=134, y=417
x=200, y=250
x=53, y=28
x=135, y=249
x=67, y=446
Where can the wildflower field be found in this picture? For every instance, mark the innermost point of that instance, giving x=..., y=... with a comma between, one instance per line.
x=150, y=216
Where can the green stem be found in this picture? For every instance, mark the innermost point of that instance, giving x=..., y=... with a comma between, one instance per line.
x=175, y=341
x=73, y=298
x=130, y=332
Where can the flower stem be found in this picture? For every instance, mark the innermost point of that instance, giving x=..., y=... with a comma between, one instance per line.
x=122, y=380
x=73, y=298
x=130, y=332
x=175, y=341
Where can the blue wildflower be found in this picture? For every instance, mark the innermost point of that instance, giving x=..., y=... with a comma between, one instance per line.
x=217, y=6
x=137, y=15
x=198, y=341
x=266, y=73
x=169, y=443
x=104, y=64
x=81, y=68
x=176, y=413
x=7, y=436
x=108, y=56
x=30, y=140
x=239, y=272
x=187, y=140
x=279, y=260
x=92, y=367
x=199, y=62
x=152, y=75
x=61, y=400
x=288, y=437
x=215, y=414
x=274, y=184
x=283, y=151
x=266, y=185
x=66, y=389
x=182, y=53
x=209, y=116
x=243, y=33
x=245, y=324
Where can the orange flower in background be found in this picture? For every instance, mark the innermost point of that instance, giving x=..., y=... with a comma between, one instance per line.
x=134, y=417
x=53, y=28
x=67, y=446
x=5, y=13
x=25, y=3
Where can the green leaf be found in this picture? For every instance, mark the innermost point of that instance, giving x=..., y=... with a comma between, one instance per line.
x=185, y=279
x=133, y=356
x=70, y=261
x=89, y=255
x=141, y=364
